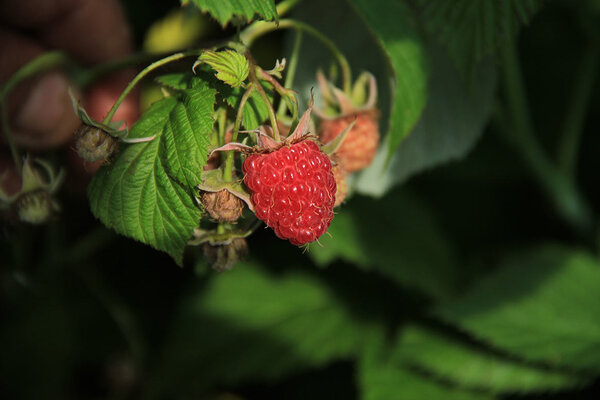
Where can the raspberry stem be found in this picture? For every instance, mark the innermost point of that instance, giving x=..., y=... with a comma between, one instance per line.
x=261, y=90
x=258, y=29
x=228, y=170
x=141, y=75
x=288, y=96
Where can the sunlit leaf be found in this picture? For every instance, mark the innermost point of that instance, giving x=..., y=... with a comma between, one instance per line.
x=473, y=367
x=247, y=325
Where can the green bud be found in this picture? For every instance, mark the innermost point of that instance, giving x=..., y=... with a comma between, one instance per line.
x=36, y=207
x=93, y=144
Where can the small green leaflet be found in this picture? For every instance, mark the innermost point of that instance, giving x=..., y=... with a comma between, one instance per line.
x=146, y=193
x=231, y=66
x=225, y=11
x=542, y=306
x=391, y=22
x=473, y=367
x=248, y=325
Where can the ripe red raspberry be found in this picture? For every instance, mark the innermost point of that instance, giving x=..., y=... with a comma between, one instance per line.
x=293, y=190
x=360, y=145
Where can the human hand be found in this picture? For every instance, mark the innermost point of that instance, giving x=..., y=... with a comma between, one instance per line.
x=90, y=31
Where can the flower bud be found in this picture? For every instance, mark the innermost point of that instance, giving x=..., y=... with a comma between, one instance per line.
x=35, y=207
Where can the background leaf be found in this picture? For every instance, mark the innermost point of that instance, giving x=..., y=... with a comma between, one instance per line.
x=475, y=368
x=226, y=10
x=472, y=29
x=146, y=193
x=259, y=327
x=453, y=121
x=542, y=306
x=380, y=379
x=416, y=255
x=392, y=24
x=255, y=111
x=176, y=81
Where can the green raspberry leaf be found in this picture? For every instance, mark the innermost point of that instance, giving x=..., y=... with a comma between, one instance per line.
x=453, y=121
x=231, y=66
x=542, y=306
x=393, y=26
x=225, y=11
x=176, y=81
x=380, y=378
x=147, y=192
x=473, y=367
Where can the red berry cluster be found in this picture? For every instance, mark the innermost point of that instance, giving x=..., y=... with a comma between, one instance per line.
x=293, y=190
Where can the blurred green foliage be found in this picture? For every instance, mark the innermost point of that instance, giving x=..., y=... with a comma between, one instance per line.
x=459, y=282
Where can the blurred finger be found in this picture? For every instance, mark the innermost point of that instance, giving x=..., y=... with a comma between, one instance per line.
x=40, y=109
x=90, y=30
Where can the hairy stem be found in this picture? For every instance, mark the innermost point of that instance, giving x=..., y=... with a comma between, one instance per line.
x=258, y=29
x=261, y=90
x=568, y=201
x=288, y=96
x=228, y=169
x=577, y=108
x=141, y=75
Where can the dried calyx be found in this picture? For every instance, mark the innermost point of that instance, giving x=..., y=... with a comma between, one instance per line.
x=223, y=257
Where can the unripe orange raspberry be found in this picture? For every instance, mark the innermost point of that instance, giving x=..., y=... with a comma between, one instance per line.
x=360, y=145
